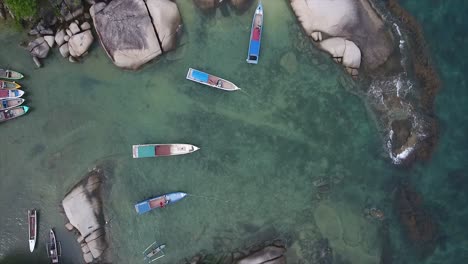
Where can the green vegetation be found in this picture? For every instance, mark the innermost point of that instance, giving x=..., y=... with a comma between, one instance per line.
x=22, y=8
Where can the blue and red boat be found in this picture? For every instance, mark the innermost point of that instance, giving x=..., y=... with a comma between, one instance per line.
x=256, y=35
x=159, y=202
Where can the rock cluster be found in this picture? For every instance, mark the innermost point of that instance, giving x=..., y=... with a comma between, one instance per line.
x=83, y=208
x=133, y=32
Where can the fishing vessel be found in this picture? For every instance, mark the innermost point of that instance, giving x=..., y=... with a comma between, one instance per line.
x=159, y=202
x=9, y=85
x=210, y=80
x=53, y=251
x=154, y=252
x=8, y=103
x=160, y=150
x=32, y=227
x=256, y=35
x=9, y=74
x=15, y=93
x=13, y=113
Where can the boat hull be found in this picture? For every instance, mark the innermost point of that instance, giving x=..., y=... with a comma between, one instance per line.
x=52, y=250
x=161, y=150
x=10, y=75
x=159, y=202
x=32, y=227
x=210, y=80
x=11, y=93
x=255, y=35
x=12, y=113
x=9, y=85
x=8, y=103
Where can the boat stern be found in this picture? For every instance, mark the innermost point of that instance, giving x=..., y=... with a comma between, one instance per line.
x=25, y=108
x=32, y=245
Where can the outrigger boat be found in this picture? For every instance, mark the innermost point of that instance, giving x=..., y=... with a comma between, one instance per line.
x=159, y=150
x=256, y=35
x=13, y=113
x=32, y=227
x=8, y=103
x=159, y=202
x=12, y=75
x=210, y=80
x=53, y=247
x=152, y=253
x=15, y=93
x=9, y=85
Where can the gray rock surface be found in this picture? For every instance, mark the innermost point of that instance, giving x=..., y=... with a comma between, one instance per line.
x=347, y=51
x=64, y=51
x=39, y=48
x=37, y=62
x=80, y=43
x=262, y=256
x=74, y=28
x=50, y=40
x=59, y=37
x=69, y=33
x=85, y=26
x=66, y=38
x=166, y=20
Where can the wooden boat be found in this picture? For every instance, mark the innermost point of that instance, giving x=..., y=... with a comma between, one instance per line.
x=159, y=150
x=153, y=253
x=159, y=202
x=53, y=251
x=9, y=85
x=15, y=93
x=210, y=80
x=256, y=35
x=8, y=103
x=9, y=74
x=13, y=113
x=32, y=224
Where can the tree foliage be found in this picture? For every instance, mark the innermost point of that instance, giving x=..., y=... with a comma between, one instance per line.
x=22, y=8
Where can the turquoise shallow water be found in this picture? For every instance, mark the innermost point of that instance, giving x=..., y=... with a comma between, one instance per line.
x=294, y=122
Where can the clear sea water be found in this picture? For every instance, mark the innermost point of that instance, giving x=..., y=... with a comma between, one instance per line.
x=294, y=122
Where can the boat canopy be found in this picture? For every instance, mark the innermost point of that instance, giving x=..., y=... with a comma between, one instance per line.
x=200, y=76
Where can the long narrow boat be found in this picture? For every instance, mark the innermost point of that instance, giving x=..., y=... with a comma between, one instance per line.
x=13, y=113
x=210, y=80
x=9, y=74
x=9, y=85
x=32, y=227
x=154, y=252
x=256, y=35
x=15, y=93
x=160, y=150
x=9, y=103
x=52, y=249
x=159, y=202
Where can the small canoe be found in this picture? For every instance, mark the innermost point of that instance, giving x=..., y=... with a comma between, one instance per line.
x=9, y=74
x=8, y=103
x=161, y=150
x=52, y=249
x=154, y=252
x=32, y=224
x=13, y=113
x=210, y=80
x=9, y=85
x=159, y=202
x=11, y=93
x=256, y=35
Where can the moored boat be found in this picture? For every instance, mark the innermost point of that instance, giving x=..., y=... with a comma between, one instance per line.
x=159, y=202
x=256, y=35
x=154, y=252
x=9, y=85
x=8, y=103
x=32, y=228
x=52, y=249
x=13, y=113
x=160, y=150
x=15, y=93
x=9, y=74
x=210, y=80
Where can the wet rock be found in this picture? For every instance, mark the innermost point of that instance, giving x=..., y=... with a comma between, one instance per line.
x=85, y=26
x=401, y=133
x=59, y=37
x=39, y=48
x=343, y=49
x=69, y=226
x=268, y=253
x=64, y=51
x=50, y=40
x=74, y=28
x=37, y=62
x=80, y=43
x=72, y=59
x=322, y=252
x=316, y=36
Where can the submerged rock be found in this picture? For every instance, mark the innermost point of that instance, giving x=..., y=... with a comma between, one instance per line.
x=269, y=254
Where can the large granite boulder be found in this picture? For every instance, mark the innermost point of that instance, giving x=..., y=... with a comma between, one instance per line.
x=354, y=20
x=39, y=48
x=127, y=33
x=80, y=43
x=344, y=51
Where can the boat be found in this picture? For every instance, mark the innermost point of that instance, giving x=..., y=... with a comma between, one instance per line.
x=32, y=224
x=8, y=103
x=255, y=35
x=159, y=202
x=15, y=93
x=9, y=85
x=53, y=251
x=160, y=150
x=13, y=113
x=210, y=80
x=153, y=253
x=9, y=74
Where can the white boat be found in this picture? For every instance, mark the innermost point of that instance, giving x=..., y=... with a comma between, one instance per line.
x=160, y=150
x=53, y=247
x=32, y=227
x=210, y=80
